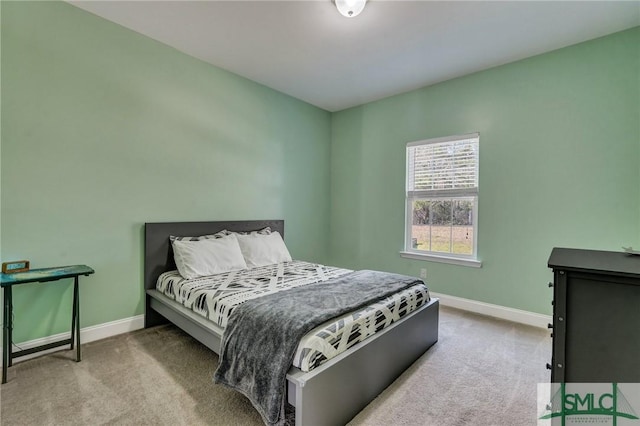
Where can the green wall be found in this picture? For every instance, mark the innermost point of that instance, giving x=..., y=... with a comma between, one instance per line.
x=104, y=129
x=559, y=156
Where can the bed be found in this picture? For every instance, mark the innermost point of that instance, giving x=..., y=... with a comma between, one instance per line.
x=333, y=392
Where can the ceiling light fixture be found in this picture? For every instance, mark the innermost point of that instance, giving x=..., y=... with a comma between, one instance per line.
x=350, y=8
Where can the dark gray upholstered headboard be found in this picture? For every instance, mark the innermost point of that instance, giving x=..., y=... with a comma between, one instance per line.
x=158, y=255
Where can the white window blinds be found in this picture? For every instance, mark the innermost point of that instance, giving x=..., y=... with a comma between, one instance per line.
x=443, y=167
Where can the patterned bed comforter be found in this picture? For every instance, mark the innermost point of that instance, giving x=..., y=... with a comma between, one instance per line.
x=215, y=297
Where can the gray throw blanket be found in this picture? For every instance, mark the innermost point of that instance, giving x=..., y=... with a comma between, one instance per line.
x=262, y=335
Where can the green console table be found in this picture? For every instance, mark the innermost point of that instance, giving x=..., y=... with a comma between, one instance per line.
x=33, y=276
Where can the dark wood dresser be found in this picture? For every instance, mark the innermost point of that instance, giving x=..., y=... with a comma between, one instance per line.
x=596, y=316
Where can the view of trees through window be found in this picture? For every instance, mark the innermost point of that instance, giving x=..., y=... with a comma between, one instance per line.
x=442, y=195
x=443, y=225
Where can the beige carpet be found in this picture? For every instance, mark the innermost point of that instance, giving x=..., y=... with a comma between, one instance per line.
x=482, y=371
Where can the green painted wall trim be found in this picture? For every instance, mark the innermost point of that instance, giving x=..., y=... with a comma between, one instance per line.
x=559, y=151
x=104, y=129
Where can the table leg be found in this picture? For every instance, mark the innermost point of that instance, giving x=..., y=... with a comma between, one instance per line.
x=6, y=326
x=10, y=322
x=76, y=308
x=74, y=313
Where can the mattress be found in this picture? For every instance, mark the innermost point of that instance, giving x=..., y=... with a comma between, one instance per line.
x=214, y=297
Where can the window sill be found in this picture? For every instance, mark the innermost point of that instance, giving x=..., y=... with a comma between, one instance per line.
x=442, y=259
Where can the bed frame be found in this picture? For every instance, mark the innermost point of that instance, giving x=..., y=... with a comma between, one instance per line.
x=334, y=392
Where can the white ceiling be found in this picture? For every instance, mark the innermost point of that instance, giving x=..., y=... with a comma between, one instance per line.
x=306, y=49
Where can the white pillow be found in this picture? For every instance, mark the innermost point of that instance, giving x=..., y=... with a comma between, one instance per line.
x=207, y=257
x=261, y=250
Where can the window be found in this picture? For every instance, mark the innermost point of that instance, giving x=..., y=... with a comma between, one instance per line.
x=442, y=197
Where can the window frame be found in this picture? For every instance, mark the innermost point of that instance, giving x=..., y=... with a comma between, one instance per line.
x=442, y=194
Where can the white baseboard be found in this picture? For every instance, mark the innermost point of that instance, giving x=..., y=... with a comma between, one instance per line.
x=113, y=328
x=87, y=334
x=497, y=311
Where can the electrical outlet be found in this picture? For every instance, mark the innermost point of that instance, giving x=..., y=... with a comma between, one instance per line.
x=423, y=273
